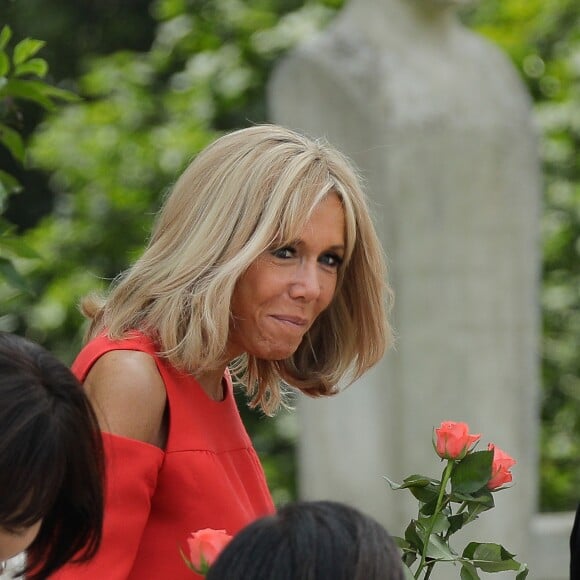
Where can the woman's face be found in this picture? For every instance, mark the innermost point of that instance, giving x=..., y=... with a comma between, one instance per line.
x=284, y=290
x=12, y=542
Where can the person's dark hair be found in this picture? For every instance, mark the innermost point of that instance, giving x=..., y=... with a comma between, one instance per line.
x=51, y=457
x=318, y=540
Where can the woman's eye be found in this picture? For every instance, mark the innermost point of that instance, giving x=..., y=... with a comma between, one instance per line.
x=332, y=260
x=284, y=253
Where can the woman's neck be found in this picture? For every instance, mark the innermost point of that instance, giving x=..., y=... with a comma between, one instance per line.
x=212, y=382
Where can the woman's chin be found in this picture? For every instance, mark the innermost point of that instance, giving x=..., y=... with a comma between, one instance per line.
x=277, y=352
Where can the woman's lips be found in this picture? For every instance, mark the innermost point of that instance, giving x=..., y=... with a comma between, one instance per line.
x=295, y=321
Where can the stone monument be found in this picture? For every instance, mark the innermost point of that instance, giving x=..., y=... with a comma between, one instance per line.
x=440, y=124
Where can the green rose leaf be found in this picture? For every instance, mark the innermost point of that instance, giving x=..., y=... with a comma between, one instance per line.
x=425, y=489
x=413, y=537
x=469, y=572
x=440, y=526
x=428, y=508
x=409, y=557
x=407, y=573
x=401, y=542
x=522, y=572
x=457, y=521
x=412, y=481
x=427, y=494
x=409, y=553
x=482, y=497
x=491, y=557
x=472, y=473
x=439, y=550
x=392, y=484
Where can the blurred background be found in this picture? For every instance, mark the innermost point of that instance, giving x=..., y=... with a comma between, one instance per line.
x=155, y=81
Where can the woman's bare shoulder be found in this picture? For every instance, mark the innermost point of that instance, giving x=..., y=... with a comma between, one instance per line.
x=128, y=395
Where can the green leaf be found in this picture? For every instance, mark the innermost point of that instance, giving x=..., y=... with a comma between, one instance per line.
x=473, y=472
x=457, y=521
x=491, y=557
x=409, y=553
x=34, y=66
x=482, y=496
x=4, y=64
x=5, y=36
x=409, y=557
x=413, y=537
x=12, y=140
x=439, y=550
x=416, y=480
x=12, y=276
x=441, y=525
x=401, y=542
x=6, y=228
x=407, y=573
x=38, y=92
x=57, y=93
x=392, y=484
x=25, y=49
x=469, y=572
x=425, y=489
x=479, y=505
x=428, y=508
x=17, y=247
x=522, y=572
x=29, y=91
x=8, y=184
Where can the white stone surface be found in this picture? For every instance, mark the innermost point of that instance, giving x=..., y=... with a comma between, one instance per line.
x=440, y=124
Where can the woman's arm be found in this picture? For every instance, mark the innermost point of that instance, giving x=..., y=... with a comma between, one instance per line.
x=129, y=397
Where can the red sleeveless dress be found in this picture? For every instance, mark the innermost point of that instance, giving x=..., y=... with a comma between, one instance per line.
x=209, y=476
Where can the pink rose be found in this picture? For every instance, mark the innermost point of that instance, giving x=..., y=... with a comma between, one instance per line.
x=453, y=441
x=500, y=468
x=205, y=546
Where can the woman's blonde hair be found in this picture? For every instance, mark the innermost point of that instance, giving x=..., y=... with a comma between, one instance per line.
x=247, y=192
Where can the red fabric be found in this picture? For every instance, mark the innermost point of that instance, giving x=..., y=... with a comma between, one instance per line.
x=209, y=476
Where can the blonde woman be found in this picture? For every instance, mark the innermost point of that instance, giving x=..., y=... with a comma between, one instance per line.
x=263, y=259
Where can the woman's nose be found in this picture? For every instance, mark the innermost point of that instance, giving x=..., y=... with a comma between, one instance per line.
x=306, y=282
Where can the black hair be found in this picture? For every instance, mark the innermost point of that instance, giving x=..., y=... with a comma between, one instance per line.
x=51, y=457
x=317, y=540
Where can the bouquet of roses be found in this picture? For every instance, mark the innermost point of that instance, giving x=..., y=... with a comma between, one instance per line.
x=445, y=506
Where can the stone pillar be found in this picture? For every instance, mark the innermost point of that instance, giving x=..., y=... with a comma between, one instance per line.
x=440, y=124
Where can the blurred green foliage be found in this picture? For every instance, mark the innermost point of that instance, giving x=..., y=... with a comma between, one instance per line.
x=160, y=79
x=22, y=75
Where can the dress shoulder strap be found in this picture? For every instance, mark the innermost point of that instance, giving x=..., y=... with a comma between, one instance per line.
x=102, y=344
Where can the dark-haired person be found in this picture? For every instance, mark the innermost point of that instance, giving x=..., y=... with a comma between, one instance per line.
x=51, y=461
x=264, y=260
x=318, y=540
x=575, y=547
